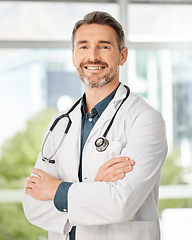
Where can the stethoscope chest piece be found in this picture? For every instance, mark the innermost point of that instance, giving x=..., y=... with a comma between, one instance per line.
x=101, y=144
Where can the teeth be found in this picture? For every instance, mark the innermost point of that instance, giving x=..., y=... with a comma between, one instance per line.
x=94, y=68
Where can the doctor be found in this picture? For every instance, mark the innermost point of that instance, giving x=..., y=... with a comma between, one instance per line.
x=104, y=194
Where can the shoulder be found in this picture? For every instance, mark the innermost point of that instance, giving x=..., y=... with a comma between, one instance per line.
x=140, y=113
x=139, y=106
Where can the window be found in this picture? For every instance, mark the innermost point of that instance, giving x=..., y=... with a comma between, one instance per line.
x=36, y=72
x=44, y=20
x=160, y=22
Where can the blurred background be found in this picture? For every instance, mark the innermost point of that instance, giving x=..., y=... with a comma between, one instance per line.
x=37, y=79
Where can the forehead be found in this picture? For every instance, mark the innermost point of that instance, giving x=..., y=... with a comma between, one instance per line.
x=95, y=33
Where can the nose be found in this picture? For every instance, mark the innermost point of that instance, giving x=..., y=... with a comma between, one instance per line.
x=94, y=54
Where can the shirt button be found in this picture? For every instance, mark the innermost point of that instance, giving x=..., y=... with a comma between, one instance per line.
x=90, y=119
x=64, y=210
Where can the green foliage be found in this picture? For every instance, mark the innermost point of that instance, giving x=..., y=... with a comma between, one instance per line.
x=13, y=224
x=174, y=203
x=19, y=153
x=172, y=172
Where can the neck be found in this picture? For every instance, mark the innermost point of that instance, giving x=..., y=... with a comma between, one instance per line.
x=95, y=95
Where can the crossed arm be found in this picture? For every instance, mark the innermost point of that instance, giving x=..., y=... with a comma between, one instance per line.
x=43, y=186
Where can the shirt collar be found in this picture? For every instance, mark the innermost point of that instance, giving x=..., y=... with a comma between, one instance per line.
x=83, y=105
x=99, y=107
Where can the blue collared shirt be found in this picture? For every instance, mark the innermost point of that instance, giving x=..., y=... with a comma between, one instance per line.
x=88, y=122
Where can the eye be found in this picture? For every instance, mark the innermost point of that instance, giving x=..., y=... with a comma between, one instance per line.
x=104, y=47
x=83, y=47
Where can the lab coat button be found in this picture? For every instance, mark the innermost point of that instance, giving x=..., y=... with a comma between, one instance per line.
x=74, y=180
x=64, y=210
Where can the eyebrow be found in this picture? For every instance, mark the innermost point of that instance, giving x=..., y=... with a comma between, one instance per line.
x=81, y=42
x=101, y=41
x=107, y=42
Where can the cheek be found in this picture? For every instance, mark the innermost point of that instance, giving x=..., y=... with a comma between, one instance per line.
x=115, y=63
x=113, y=59
x=77, y=60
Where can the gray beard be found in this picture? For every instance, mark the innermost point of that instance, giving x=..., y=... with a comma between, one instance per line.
x=104, y=81
x=101, y=83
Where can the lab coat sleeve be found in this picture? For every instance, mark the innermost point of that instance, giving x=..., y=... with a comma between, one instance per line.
x=44, y=213
x=108, y=203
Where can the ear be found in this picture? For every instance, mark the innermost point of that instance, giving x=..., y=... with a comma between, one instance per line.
x=123, y=56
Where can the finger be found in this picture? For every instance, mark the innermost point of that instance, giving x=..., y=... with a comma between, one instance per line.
x=113, y=161
x=98, y=177
x=122, y=168
x=114, y=178
x=114, y=167
x=113, y=170
x=119, y=168
x=27, y=179
x=29, y=185
x=114, y=173
x=126, y=161
x=118, y=177
x=127, y=169
x=29, y=191
x=32, y=179
x=122, y=161
x=38, y=172
x=132, y=162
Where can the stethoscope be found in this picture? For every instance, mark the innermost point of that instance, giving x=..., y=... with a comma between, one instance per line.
x=101, y=143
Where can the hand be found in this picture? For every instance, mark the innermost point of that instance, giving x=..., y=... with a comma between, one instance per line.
x=43, y=186
x=114, y=169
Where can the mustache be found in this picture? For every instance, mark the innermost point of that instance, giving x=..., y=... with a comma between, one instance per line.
x=96, y=62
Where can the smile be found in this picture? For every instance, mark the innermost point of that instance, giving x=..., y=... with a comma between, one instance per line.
x=94, y=67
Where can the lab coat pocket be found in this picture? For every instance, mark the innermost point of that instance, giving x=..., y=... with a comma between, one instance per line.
x=113, y=150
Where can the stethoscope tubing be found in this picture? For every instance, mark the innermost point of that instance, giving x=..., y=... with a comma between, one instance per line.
x=111, y=122
x=98, y=147
x=65, y=133
x=42, y=154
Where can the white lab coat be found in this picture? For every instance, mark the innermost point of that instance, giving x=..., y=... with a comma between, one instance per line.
x=124, y=210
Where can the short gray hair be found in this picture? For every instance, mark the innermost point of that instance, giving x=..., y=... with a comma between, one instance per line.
x=102, y=18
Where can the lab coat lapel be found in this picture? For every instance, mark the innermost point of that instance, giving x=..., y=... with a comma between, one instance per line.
x=75, y=135
x=110, y=110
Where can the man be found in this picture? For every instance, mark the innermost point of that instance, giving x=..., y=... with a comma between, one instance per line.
x=99, y=192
